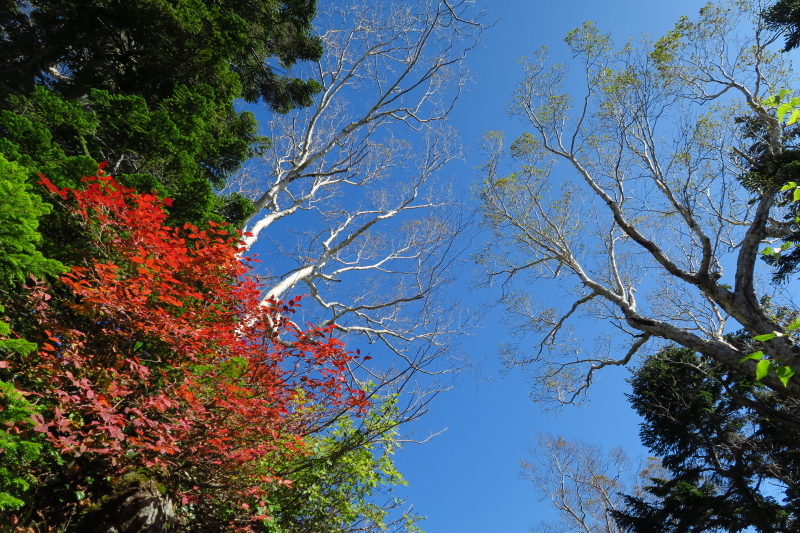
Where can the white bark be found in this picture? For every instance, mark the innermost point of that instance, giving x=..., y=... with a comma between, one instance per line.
x=582, y=482
x=352, y=200
x=653, y=205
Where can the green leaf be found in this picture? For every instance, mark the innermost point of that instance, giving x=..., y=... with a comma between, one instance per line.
x=782, y=109
x=790, y=185
x=762, y=369
x=784, y=374
x=755, y=355
x=775, y=99
x=796, y=195
x=765, y=337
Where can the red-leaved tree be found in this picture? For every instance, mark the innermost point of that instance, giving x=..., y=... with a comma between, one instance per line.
x=161, y=361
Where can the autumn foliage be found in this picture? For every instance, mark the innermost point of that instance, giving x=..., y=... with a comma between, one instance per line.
x=159, y=357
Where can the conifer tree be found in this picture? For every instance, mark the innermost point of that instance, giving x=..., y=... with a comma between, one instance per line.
x=20, y=211
x=149, y=87
x=725, y=440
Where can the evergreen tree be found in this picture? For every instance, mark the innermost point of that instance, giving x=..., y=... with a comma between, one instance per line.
x=786, y=14
x=20, y=211
x=150, y=88
x=149, y=48
x=725, y=441
x=19, y=224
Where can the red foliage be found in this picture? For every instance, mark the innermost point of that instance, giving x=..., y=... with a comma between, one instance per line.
x=162, y=356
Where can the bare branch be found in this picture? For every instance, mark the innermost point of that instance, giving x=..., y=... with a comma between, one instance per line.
x=582, y=482
x=646, y=195
x=352, y=204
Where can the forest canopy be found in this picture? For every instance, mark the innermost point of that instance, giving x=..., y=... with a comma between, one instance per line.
x=662, y=201
x=652, y=198
x=148, y=378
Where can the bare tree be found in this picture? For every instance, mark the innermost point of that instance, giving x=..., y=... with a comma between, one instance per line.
x=352, y=206
x=582, y=482
x=631, y=199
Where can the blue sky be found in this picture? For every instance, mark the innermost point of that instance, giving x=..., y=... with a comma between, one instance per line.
x=466, y=480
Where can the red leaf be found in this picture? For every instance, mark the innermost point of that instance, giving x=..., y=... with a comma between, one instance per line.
x=143, y=372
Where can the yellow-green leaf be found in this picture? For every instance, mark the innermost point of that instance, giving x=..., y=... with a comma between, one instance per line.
x=755, y=355
x=762, y=369
x=765, y=337
x=784, y=374
x=782, y=109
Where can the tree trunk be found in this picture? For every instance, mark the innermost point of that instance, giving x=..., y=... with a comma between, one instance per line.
x=139, y=509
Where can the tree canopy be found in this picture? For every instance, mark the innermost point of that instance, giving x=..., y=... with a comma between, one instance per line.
x=650, y=198
x=582, y=483
x=159, y=377
x=141, y=366
x=151, y=48
x=724, y=440
x=149, y=87
x=785, y=16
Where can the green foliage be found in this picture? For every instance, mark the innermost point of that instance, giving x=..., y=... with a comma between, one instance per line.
x=149, y=48
x=783, y=172
x=20, y=211
x=723, y=439
x=785, y=15
x=766, y=366
x=17, y=449
x=182, y=148
x=337, y=487
x=149, y=87
x=784, y=105
x=587, y=40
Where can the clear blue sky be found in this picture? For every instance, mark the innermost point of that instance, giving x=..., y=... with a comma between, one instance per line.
x=467, y=479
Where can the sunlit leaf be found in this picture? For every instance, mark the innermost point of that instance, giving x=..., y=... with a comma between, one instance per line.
x=765, y=337
x=755, y=355
x=763, y=368
x=784, y=374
